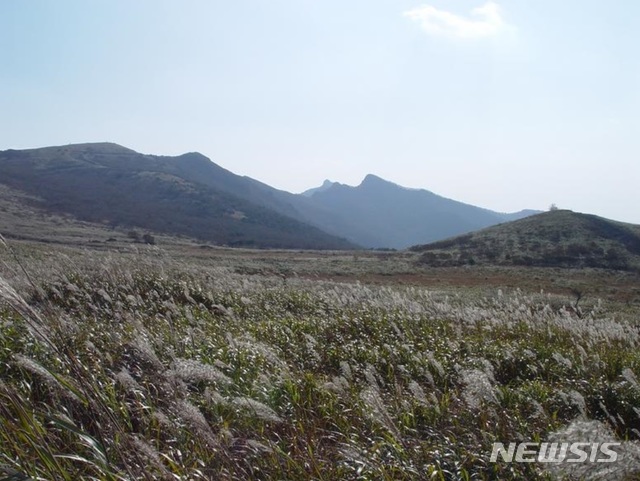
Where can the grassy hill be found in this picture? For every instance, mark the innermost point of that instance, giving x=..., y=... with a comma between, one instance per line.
x=115, y=186
x=560, y=238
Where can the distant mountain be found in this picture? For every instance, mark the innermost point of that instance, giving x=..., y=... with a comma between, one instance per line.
x=379, y=213
x=325, y=185
x=186, y=195
x=559, y=238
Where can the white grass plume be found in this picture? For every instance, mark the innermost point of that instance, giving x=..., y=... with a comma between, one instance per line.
x=257, y=409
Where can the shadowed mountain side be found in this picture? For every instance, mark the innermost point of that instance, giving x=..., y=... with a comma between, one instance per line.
x=110, y=184
x=559, y=238
x=375, y=214
x=198, y=168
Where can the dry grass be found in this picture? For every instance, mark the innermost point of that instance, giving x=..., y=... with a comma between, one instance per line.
x=144, y=365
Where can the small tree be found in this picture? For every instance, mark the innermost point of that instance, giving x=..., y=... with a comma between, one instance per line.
x=149, y=239
x=553, y=207
x=132, y=234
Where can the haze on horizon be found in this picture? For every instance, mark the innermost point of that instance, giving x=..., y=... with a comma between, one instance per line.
x=507, y=104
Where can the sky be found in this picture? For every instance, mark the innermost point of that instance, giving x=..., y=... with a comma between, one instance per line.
x=507, y=105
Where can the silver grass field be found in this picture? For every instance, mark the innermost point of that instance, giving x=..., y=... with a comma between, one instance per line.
x=135, y=366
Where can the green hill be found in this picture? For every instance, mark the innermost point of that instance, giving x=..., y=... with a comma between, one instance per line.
x=111, y=185
x=559, y=238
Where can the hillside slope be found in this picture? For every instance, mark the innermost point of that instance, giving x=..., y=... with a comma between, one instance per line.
x=113, y=185
x=560, y=238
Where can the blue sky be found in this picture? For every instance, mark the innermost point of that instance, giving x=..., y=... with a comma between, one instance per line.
x=508, y=105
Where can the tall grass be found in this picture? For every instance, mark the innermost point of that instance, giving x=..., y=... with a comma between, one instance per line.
x=114, y=370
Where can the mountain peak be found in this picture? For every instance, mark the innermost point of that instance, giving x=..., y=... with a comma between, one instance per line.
x=195, y=156
x=102, y=146
x=373, y=179
x=327, y=184
x=89, y=147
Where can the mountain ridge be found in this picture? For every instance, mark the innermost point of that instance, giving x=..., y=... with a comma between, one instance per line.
x=202, y=196
x=108, y=183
